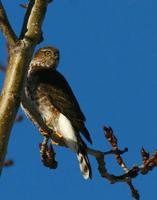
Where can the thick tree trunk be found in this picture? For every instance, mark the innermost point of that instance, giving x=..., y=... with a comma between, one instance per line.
x=20, y=54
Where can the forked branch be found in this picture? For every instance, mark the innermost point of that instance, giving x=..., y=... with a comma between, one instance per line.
x=20, y=54
x=129, y=173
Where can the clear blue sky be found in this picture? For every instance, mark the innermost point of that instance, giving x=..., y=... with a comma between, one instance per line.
x=109, y=56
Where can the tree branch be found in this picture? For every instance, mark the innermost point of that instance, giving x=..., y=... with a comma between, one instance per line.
x=32, y=23
x=24, y=27
x=6, y=27
x=48, y=154
x=19, y=59
x=148, y=164
x=8, y=163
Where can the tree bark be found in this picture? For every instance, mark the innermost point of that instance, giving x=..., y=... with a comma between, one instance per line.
x=20, y=54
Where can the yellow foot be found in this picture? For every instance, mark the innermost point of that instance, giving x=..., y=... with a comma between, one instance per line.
x=58, y=134
x=43, y=132
x=55, y=143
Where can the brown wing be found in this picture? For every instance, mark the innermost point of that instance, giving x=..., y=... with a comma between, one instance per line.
x=54, y=85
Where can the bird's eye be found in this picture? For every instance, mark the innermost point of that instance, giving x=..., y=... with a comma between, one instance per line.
x=47, y=53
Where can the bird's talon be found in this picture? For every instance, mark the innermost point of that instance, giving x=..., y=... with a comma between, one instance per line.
x=43, y=133
x=58, y=134
x=55, y=143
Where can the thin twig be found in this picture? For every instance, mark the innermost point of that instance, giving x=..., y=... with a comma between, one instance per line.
x=8, y=163
x=133, y=172
x=148, y=162
x=114, y=143
x=25, y=6
x=6, y=27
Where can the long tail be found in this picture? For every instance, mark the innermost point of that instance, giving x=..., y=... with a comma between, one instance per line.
x=84, y=165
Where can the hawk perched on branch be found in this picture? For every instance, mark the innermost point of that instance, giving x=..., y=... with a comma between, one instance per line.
x=50, y=95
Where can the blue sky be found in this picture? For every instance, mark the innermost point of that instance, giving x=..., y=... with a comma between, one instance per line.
x=108, y=55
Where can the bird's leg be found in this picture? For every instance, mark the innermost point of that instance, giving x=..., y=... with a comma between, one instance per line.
x=58, y=134
x=54, y=143
x=56, y=137
x=43, y=133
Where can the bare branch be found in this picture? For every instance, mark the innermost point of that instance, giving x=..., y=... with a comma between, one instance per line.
x=133, y=172
x=32, y=23
x=20, y=53
x=114, y=143
x=19, y=59
x=8, y=163
x=148, y=162
x=27, y=15
x=24, y=5
x=6, y=27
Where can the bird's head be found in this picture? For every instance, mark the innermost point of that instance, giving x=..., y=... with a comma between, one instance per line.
x=47, y=57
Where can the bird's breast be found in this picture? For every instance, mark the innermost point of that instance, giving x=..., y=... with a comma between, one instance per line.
x=48, y=112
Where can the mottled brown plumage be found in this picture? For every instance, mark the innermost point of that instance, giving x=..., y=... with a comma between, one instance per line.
x=52, y=98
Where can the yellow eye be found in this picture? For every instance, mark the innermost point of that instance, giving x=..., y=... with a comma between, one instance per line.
x=47, y=53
